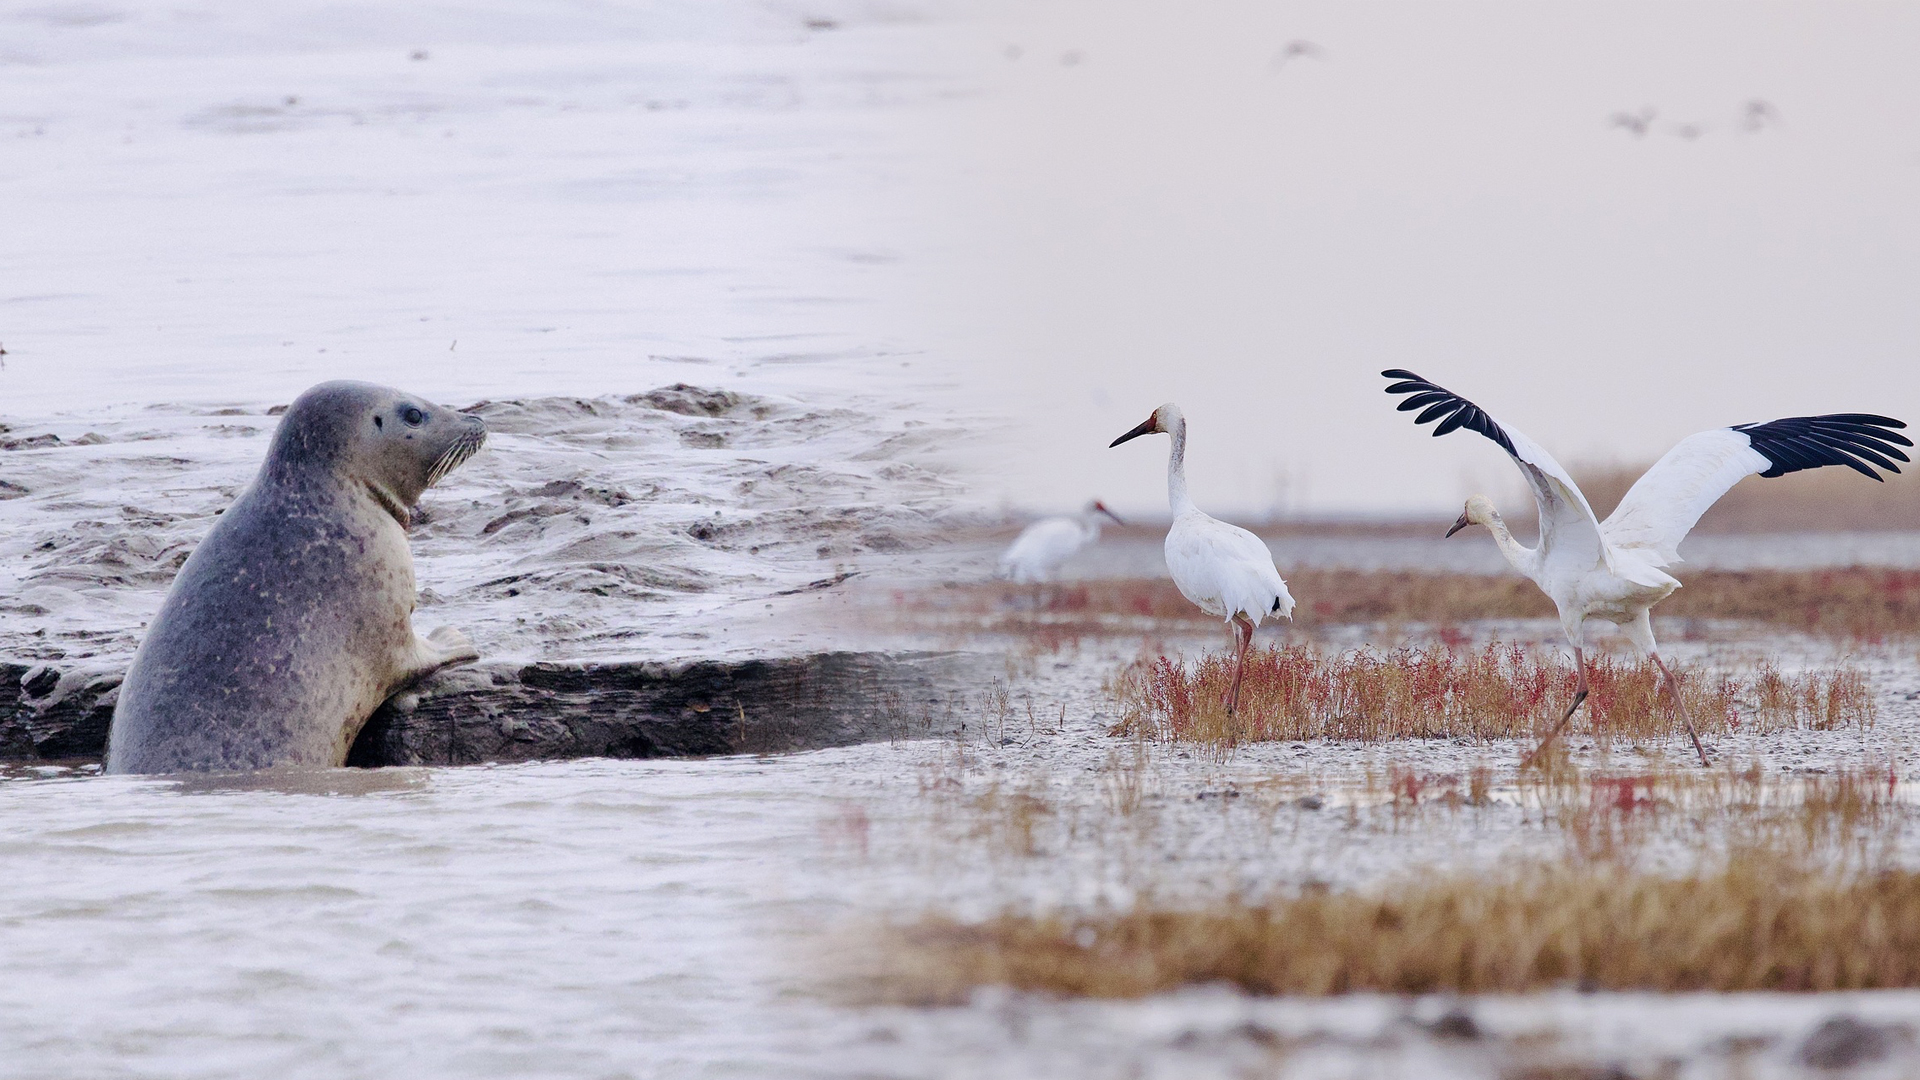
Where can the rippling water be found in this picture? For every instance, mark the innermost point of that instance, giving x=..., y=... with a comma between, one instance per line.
x=691, y=919
x=587, y=919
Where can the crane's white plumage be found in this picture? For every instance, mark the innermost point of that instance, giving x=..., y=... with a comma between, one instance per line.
x=1564, y=511
x=1223, y=569
x=1042, y=546
x=1616, y=570
x=1666, y=502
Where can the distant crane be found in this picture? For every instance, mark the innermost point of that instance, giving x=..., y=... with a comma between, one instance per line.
x=1225, y=570
x=1760, y=115
x=1297, y=49
x=1638, y=123
x=1042, y=546
x=1616, y=570
x=1756, y=115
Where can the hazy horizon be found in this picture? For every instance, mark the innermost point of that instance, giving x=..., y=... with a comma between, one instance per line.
x=1148, y=209
x=1068, y=211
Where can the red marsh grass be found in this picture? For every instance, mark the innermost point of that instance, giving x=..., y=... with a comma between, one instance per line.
x=1297, y=692
x=1859, y=603
x=1842, y=821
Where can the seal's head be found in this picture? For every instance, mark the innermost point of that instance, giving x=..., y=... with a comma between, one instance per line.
x=395, y=444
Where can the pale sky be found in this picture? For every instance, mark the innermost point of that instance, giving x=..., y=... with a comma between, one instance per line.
x=1076, y=209
x=1143, y=209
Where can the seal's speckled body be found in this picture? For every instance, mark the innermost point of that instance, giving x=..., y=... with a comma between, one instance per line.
x=292, y=621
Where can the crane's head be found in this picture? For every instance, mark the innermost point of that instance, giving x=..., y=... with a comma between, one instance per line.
x=1479, y=511
x=1165, y=419
x=1098, y=507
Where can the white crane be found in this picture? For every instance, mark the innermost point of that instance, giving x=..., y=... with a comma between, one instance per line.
x=1042, y=546
x=1616, y=569
x=1224, y=569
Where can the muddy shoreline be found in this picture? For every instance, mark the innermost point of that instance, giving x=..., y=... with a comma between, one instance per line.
x=504, y=711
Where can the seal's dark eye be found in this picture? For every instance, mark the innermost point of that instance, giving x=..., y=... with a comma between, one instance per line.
x=413, y=416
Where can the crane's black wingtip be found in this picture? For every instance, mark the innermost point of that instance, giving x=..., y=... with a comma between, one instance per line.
x=1439, y=403
x=1862, y=418
x=1858, y=441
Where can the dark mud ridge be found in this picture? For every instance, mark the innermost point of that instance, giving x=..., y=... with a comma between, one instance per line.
x=498, y=712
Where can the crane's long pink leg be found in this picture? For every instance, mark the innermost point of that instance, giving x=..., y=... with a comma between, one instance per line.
x=1243, y=637
x=1680, y=706
x=1579, y=695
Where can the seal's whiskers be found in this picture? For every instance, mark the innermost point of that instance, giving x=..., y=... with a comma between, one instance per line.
x=463, y=448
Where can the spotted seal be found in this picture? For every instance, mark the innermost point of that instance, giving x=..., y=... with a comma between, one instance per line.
x=292, y=621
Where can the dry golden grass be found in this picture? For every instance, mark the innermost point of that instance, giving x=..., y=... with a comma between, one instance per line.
x=1760, y=922
x=1795, y=889
x=1296, y=692
x=1860, y=603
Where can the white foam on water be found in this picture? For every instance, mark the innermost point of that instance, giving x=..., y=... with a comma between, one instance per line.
x=658, y=524
x=549, y=209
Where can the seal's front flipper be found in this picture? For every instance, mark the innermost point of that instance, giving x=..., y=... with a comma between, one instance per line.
x=455, y=645
x=445, y=647
x=442, y=649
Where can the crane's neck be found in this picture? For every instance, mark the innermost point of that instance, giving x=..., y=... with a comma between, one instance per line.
x=1519, y=556
x=1177, y=470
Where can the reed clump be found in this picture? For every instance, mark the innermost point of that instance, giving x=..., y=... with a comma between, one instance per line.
x=1760, y=921
x=1297, y=692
